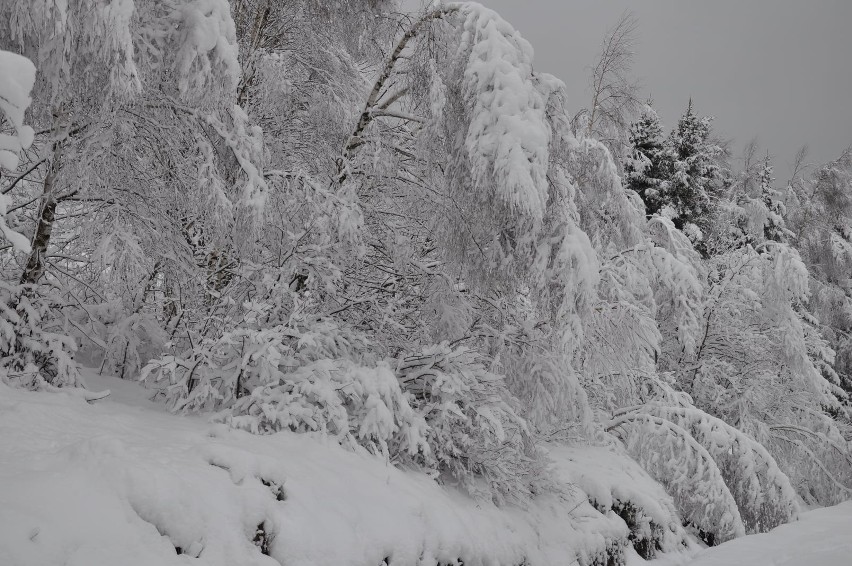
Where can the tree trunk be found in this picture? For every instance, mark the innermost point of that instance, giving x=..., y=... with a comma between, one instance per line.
x=261, y=20
x=34, y=270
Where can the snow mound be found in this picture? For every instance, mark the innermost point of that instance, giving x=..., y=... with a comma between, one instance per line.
x=614, y=482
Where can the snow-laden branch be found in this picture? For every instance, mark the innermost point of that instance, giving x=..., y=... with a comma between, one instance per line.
x=370, y=106
x=763, y=492
x=684, y=467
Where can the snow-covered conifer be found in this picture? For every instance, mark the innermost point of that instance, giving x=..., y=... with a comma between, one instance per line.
x=648, y=168
x=774, y=228
x=691, y=193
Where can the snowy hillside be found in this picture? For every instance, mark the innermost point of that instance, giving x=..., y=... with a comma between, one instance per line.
x=122, y=481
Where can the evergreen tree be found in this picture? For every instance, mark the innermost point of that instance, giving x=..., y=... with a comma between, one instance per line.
x=648, y=169
x=773, y=227
x=694, y=171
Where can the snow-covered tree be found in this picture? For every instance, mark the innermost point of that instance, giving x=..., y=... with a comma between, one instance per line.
x=142, y=92
x=691, y=193
x=774, y=228
x=615, y=93
x=648, y=168
x=818, y=217
x=32, y=353
x=759, y=367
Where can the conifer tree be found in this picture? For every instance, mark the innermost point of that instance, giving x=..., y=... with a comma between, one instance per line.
x=694, y=172
x=773, y=227
x=649, y=167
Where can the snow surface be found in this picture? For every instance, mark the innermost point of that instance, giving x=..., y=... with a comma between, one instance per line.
x=120, y=481
x=822, y=537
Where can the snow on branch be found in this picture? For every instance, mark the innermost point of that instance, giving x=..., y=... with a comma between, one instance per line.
x=18, y=74
x=763, y=492
x=505, y=129
x=474, y=427
x=302, y=378
x=686, y=469
x=507, y=139
x=208, y=43
x=372, y=107
x=34, y=352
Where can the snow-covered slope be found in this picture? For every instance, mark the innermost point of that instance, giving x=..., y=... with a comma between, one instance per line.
x=121, y=481
x=822, y=537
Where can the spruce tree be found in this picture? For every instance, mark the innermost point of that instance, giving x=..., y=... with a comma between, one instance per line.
x=773, y=227
x=649, y=167
x=694, y=170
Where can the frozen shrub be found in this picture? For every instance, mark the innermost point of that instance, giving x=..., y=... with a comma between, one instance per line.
x=475, y=431
x=33, y=354
x=312, y=377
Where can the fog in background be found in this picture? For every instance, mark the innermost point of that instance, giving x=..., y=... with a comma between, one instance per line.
x=778, y=70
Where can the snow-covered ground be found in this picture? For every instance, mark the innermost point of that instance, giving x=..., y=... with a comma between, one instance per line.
x=122, y=481
x=822, y=537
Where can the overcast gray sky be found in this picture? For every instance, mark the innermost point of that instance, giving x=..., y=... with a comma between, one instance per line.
x=778, y=70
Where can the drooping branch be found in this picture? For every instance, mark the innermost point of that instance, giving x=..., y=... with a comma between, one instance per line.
x=720, y=513
x=23, y=175
x=373, y=99
x=816, y=460
x=752, y=465
x=614, y=92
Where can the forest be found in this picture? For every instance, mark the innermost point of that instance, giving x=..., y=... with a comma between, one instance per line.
x=343, y=231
